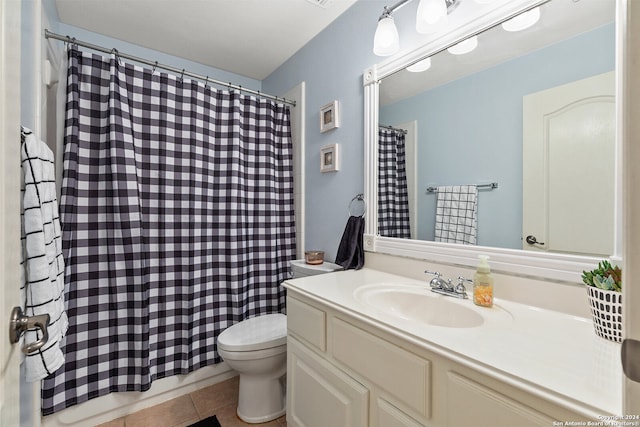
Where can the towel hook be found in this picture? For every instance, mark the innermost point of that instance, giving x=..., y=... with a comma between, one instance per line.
x=359, y=198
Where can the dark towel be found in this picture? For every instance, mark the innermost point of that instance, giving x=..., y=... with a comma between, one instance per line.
x=351, y=250
x=207, y=422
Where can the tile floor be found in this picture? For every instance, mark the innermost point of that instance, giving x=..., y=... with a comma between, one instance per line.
x=219, y=399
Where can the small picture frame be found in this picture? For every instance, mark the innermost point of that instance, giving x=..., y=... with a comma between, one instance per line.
x=329, y=117
x=329, y=158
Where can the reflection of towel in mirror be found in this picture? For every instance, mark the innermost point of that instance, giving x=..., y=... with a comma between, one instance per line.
x=457, y=214
x=351, y=250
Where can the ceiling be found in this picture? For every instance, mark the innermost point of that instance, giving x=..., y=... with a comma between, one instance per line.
x=247, y=37
x=560, y=19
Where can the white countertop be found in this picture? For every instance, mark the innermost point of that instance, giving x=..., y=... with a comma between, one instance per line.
x=547, y=353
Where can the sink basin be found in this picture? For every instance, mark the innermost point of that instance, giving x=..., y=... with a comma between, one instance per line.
x=420, y=305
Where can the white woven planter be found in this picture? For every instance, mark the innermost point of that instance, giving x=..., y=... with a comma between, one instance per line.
x=606, y=310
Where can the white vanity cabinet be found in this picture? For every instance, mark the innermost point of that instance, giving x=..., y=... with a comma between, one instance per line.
x=347, y=371
x=340, y=375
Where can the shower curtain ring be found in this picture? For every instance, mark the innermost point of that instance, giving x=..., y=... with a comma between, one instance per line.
x=154, y=67
x=115, y=52
x=182, y=75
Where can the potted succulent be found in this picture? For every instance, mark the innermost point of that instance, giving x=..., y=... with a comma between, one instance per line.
x=604, y=290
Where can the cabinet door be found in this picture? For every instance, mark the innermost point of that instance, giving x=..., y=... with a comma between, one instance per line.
x=404, y=377
x=319, y=394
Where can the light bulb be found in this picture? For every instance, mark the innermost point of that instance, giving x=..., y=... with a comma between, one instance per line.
x=386, y=40
x=420, y=66
x=522, y=21
x=465, y=46
x=431, y=15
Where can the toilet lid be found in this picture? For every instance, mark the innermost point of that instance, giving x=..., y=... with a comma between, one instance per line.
x=256, y=333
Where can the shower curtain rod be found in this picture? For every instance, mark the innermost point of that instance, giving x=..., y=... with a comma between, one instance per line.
x=392, y=128
x=49, y=35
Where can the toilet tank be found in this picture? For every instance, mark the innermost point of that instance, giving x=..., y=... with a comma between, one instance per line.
x=299, y=268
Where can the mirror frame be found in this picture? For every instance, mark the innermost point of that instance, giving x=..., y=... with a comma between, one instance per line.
x=550, y=266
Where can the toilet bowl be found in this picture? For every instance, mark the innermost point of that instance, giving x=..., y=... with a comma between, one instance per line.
x=256, y=348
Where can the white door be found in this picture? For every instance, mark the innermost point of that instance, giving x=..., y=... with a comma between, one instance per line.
x=569, y=137
x=9, y=205
x=629, y=19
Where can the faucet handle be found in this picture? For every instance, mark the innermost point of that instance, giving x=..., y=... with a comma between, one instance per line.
x=437, y=282
x=435, y=273
x=460, y=288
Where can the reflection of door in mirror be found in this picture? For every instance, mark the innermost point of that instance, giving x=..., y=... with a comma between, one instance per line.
x=567, y=193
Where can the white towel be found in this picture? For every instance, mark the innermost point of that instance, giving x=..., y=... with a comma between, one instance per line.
x=43, y=272
x=457, y=214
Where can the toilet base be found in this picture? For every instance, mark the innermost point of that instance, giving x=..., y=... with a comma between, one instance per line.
x=261, y=399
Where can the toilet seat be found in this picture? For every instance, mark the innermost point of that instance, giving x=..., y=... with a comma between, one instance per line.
x=256, y=333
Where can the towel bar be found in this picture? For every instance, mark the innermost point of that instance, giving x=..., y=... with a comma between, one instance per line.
x=491, y=186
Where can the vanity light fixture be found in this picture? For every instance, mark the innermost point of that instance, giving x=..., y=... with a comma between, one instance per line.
x=386, y=40
x=465, y=46
x=420, y=66
x=522, y=21
x=431, y=16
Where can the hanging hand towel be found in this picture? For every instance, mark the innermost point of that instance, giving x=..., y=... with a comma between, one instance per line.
x=43, y=264
x=457, y=214
x=351, y=250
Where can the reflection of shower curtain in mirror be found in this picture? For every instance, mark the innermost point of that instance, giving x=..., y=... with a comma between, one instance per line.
x=393, y=196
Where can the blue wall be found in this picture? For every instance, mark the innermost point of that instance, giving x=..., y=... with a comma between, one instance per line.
x=332, y=65
x=470, y=130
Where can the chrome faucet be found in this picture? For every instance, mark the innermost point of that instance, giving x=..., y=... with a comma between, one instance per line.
x=445, y=287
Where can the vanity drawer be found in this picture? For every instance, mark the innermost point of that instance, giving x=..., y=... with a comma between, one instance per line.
x=405, y=377
x=307, y=323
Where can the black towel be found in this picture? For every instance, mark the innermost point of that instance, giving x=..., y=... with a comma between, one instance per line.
x=351, y=250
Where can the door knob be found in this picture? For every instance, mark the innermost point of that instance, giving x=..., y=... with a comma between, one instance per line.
x=20, y=323
x=532, y=240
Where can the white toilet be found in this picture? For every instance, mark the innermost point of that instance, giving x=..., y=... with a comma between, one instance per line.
x=256, y=348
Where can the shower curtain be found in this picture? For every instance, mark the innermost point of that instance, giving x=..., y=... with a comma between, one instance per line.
x=177, y=217
x=393, y=196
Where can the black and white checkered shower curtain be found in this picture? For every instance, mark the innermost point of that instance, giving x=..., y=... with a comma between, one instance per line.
x=393, y=196
x=177, y=216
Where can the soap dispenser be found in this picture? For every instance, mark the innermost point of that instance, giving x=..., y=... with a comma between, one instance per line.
x=483, y=283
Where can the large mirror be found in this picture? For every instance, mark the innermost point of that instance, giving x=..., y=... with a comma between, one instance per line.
x=506, y=148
